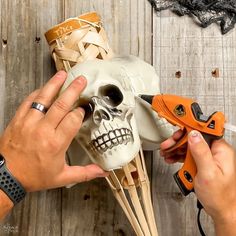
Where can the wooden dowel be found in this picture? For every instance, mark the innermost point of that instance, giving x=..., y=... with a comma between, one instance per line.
x=136, y=202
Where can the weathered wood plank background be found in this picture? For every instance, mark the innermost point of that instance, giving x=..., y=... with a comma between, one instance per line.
x=171, y=44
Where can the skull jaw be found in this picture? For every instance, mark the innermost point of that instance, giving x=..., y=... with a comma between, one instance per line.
x=116, y=157
x=118, y=154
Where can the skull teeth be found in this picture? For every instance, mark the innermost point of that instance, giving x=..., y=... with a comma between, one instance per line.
x=112, y=135
x=111, y=139
x=117, y=132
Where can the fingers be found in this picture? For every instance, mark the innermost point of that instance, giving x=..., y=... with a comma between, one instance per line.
x=201, y=152
x=64, y=103
x=176, y=155
x=170, y=142
x=70, y=125
x=26, y=104
x=174, y=159
x=77, y=174
x=48, y=93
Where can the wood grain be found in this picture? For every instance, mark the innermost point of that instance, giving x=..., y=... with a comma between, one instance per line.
x=2, y=64
x=182, y=46
x=26, y=67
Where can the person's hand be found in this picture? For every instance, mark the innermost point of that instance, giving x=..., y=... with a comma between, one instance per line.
x=34, y=144
x=177, y=155
x=215, y=181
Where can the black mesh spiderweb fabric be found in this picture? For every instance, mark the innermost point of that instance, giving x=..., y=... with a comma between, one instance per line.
x=222, y=12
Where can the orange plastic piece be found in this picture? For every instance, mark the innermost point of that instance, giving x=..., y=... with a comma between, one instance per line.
x=167, y=106
x=70, y=25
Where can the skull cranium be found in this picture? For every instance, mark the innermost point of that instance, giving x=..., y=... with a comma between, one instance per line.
x=110, y=134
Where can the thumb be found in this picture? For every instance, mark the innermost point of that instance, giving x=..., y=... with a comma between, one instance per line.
x=200, y=151
x=77, y=174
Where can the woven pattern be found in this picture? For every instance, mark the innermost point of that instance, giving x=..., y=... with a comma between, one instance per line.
x=86, y=43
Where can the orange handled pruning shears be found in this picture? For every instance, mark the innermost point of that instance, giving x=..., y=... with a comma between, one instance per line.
x=187, y=114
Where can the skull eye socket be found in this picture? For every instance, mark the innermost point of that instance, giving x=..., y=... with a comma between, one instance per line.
x=112, y=95
x=86, y=105
x=88, y=108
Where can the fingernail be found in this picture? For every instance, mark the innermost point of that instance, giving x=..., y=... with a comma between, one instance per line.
x=195, y=136
x=81, y=110
x=81, y=79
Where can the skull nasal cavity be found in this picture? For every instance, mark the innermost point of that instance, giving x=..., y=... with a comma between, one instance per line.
x=100, y=115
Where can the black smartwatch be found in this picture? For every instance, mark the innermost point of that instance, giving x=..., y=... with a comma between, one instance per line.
x=9, y=185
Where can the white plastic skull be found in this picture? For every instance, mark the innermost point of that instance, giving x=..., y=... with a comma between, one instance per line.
x=116, y=119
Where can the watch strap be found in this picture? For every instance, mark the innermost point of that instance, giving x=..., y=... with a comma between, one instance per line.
x=10, y=186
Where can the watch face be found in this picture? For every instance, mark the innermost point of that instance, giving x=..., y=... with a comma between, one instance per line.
x=2, y=161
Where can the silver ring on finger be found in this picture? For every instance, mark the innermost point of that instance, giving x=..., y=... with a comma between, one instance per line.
x=40, y=107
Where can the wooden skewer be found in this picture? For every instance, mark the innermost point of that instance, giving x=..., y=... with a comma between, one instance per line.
x=136, y=202
x=118, y=192
x=141, y=216
x=146, y=193
x=119, y=199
